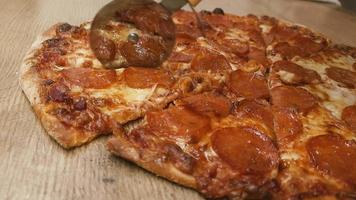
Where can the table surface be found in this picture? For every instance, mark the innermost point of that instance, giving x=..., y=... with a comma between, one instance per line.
x=33, y=166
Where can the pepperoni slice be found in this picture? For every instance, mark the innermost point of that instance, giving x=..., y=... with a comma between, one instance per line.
x=293, y=97
x=283, y=33
x=256, y=37
x=344, y=76
x=208, y=103
x=187, y=30
x=222, y=21
x=255, y=110
x=288, y=51
x=245, y=150
x=308, y=45
x=208, y=61
x=137, y=77
x=334, y=155
x=287, y=125
x=234, y=46
x=300, y=75
x=349, y=116
x=248, y=85
x=258, y=55
x=89, y=77
x=178, y=122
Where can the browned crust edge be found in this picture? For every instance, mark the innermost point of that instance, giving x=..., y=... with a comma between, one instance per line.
x=121, y=147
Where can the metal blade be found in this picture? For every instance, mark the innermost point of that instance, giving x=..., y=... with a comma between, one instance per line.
x=173, y=5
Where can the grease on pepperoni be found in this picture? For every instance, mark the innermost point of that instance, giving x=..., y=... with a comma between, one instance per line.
x=300, y=75
x=90, y=78
x=334, y=155
x=287, y=125
x=255, y=110
x=245, y=150
x=178, y=122
x=248, y=85
x=138, y=77
x=293, y=97
x=208, y=103
x=344, y=76
x=349, y=116
x=209, y=61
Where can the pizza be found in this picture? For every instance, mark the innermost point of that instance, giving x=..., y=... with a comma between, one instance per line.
x=244, y=107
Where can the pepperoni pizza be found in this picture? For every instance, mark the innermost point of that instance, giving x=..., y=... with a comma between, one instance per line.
x=245, y=107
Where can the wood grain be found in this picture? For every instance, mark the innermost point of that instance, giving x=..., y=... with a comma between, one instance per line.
x=33, y=166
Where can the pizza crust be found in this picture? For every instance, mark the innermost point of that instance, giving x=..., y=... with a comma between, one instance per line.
x=121, y=147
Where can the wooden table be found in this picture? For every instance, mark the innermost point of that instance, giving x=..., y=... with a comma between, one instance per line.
x=32, y=166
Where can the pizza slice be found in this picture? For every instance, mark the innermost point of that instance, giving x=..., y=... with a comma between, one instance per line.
x=307, y=107
x=316, y=149
x=75, y=98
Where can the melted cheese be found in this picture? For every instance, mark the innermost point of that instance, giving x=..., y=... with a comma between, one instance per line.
x=288, y=156
x=334, y=97
x=238, y=34
x=126, y=94
x=265, y=28
x=286, y=76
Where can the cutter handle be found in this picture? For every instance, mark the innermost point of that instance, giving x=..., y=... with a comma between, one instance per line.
x=173, y=5
x=194, y=2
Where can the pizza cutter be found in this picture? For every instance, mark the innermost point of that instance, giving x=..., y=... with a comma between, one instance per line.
x=148, y=47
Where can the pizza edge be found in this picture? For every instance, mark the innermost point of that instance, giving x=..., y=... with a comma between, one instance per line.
x=121, y=147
